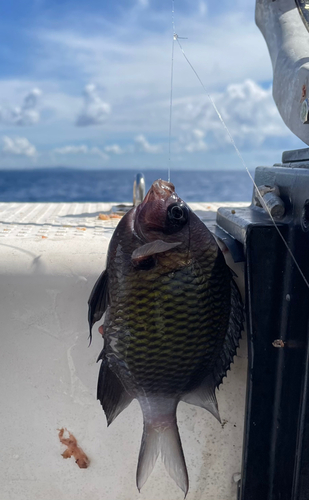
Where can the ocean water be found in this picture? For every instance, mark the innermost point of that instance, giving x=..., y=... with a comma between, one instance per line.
x=69, y=185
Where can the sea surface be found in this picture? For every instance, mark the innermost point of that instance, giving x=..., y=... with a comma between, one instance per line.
x=69, y=185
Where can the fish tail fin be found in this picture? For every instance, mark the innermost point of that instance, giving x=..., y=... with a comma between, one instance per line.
x=148, y=454
x=165, y=439
x=173, y=457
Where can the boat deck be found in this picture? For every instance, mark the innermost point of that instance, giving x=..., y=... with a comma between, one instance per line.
x=51, y=255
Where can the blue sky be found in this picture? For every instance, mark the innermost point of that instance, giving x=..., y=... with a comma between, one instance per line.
x=87, y=84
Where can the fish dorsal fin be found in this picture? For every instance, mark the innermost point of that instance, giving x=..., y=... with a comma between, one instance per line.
x=111, y=393
x=205, y=397
x=98, y=300
x=232, y=338
x=152, y=248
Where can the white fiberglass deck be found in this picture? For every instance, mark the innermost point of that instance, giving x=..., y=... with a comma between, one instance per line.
x=51, y=255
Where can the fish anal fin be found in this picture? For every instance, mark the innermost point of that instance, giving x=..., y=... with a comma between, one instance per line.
x=152, y=248
x=205, y=397
x=98, y=300
x=111, y=393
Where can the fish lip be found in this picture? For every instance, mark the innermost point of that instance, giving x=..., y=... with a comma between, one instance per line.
x=160, y=190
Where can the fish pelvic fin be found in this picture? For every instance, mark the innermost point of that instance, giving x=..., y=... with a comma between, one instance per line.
x=162, y=438
x=110, y=392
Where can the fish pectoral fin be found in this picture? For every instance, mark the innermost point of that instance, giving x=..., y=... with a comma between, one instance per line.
x=98, y=301
x=150, y=249
x=205, y=397
x=111, y=393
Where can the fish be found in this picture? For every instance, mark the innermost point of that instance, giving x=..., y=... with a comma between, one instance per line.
x=172, y=325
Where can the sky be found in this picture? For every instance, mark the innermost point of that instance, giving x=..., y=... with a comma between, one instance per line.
x=88, y=84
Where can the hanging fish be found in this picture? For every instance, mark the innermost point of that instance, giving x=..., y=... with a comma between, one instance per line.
x=172, y=324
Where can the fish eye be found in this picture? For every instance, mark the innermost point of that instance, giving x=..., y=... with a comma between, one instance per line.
x=177, y=212
x=177, y=216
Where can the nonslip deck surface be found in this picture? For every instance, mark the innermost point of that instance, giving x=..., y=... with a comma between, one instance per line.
x=69, y=220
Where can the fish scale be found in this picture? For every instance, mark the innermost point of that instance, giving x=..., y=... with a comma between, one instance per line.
x=164, y=329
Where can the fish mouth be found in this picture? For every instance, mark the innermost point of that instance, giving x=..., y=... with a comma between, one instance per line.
x=160, y=190
x=150, y=216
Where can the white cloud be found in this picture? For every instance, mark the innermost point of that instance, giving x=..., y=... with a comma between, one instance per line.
x=202, y=8
x=97, y=151
x=19, y=146
x=143, y=146
x=94, y=111
x=114, y=148
x=143, y=3
x=72, y=150
x=82, y=149
x=195, y=142
x=137, y=81
x=26, y=114
x=247, y=109
x=132, y=60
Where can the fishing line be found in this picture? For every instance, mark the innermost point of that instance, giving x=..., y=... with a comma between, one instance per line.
x=171, y=97
x=244, y=164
